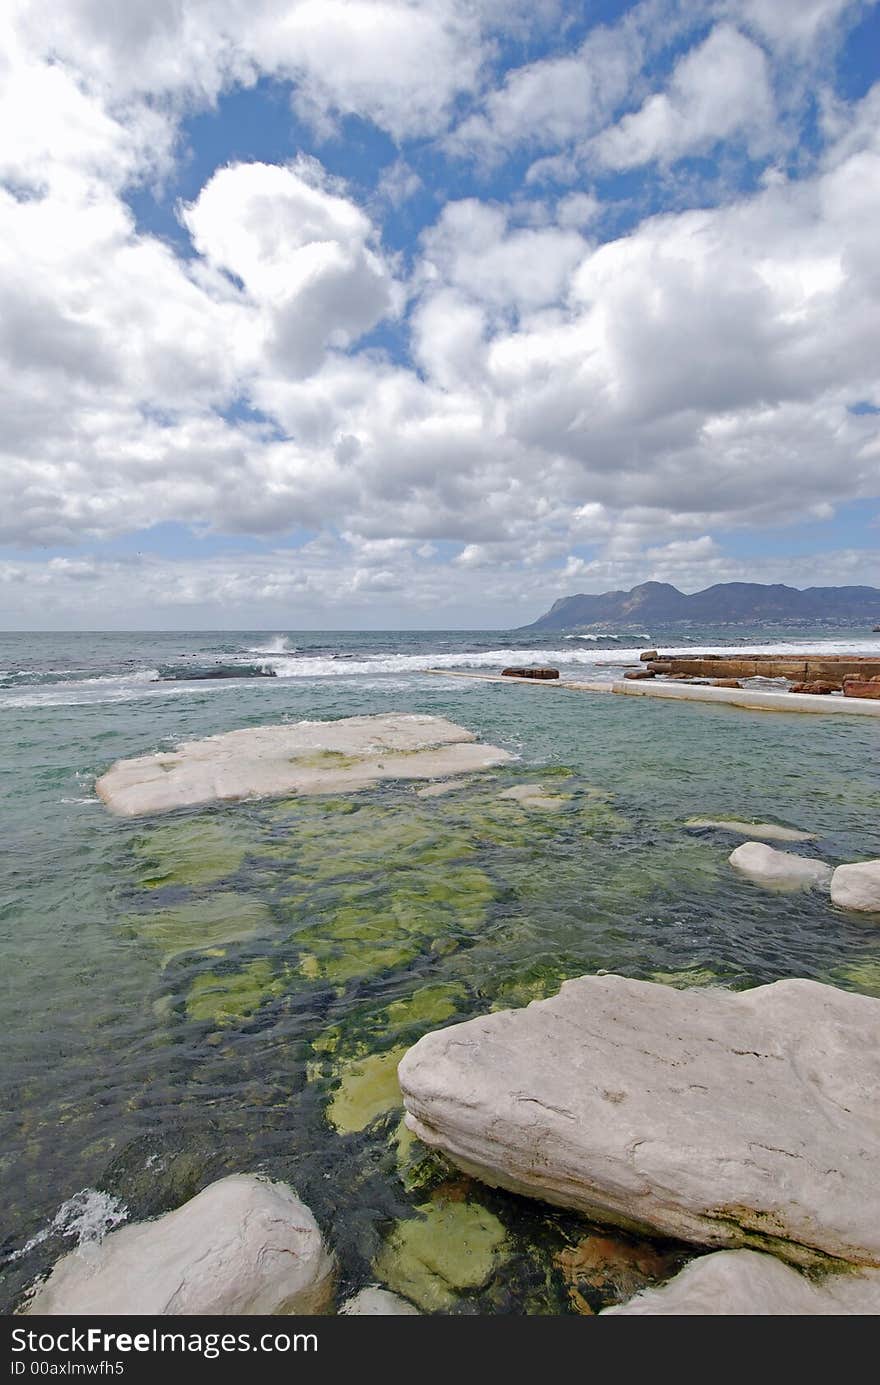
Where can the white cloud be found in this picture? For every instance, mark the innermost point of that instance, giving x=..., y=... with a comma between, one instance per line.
x=629, y=398
x=306, y=255
x=474, y=248
x=794, y=24
x=396, y=62
x=553, y=101
x=717, y=90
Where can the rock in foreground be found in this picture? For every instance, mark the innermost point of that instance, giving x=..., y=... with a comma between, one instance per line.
x=719, y=1118
x=374, y=1302
x=241, y=1246
x=857, y=886
x=744, y=1283
x=307, y=757
x=778, y=869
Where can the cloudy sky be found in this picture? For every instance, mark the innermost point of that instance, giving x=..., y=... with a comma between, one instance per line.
x=351, y=313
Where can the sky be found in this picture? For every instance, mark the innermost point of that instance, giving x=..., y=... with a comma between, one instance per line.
x=424, y=313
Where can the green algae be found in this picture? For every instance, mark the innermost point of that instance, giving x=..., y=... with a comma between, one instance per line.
x=424, y=1009
x=380, y=925
x=202, y=924
x=450, y=1248
x=229, y=996
x=368, y=1087
x=419, y=1168
x=327, y=759
x=688, y=976
x=455, y=900
x=309, y=810
x=195, y=851
x=861, y=976
x=534, y=982
x=339, y=963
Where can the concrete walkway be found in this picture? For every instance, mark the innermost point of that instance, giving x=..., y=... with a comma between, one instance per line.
x=753, y=698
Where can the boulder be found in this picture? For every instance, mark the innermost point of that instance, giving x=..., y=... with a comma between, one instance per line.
x=724, y=1119
x=376, y=1302
x=647, y=654
x=782, y=869
x=816, y=686
x=857, y=886
x=726, y=683
x=861, y=687
x=640, y=673
x=306, y=757
x=530, y=673
x=242, y=1246
x=747, y=1284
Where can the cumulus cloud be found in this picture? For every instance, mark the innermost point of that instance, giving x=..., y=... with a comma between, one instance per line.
x=304, y=253
x=718, y=90
x=396, y=62
x=556, y=407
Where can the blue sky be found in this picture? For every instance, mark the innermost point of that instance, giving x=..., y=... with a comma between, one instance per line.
x=374, y=312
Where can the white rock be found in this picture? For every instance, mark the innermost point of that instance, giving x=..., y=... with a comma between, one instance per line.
x=781, y=869
x=306, y=757
x=376, y=1302
x=243, y=1245
x=720, y=1118
x=745, y=1283
x=760, y=831
x=857, y=886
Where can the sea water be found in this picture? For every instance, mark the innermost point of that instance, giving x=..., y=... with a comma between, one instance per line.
x=228, y=990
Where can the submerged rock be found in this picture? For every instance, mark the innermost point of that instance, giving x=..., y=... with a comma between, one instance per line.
x=724, y=1119
x=243, y=1245
x=535, y=796
x=599, y=1267
x=761, y=831
x=781, y=869
x=376, y=1302
x=368, y=1088
x=450, y=1248
x=201, y=925
x=857, y=886
x=748, y=1284
x=234, y=995
x=192, y=852
x=308, y=757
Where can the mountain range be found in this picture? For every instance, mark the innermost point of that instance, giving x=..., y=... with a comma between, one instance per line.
x=726, y=601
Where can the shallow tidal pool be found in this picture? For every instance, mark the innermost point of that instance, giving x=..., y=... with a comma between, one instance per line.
x=230, y=990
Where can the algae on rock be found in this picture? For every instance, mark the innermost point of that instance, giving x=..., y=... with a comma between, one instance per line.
x=450, y=1248
x=224, y=997
x=368, y=1087
x=200, y=925
x=192, y=851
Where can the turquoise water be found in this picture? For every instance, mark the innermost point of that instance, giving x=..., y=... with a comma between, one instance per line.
x=182, y=998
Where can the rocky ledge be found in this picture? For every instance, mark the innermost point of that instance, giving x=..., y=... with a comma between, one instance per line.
x=718, y=1118
x=306, y=757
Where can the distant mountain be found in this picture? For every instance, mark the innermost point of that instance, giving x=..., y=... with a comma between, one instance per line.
x=653, y=602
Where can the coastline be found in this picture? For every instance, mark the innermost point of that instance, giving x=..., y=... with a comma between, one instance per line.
x=754, y=699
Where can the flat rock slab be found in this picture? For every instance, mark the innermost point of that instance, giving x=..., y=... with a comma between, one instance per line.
x=243, y=1245
x=713, y=1117
x=306, y=757
x=780, y=870
x=759, y=831
x=745, y=1283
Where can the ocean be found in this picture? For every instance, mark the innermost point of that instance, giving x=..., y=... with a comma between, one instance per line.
x=187, y=997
